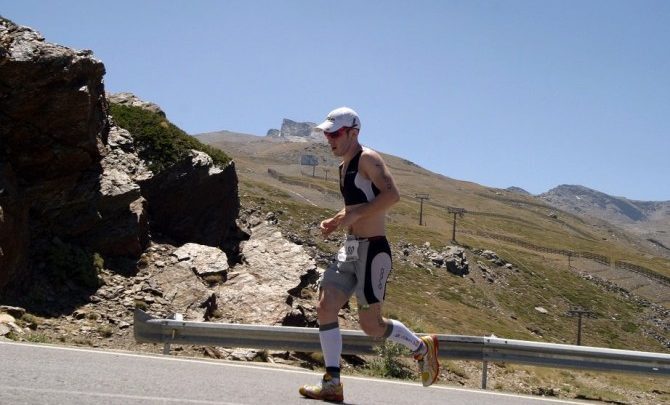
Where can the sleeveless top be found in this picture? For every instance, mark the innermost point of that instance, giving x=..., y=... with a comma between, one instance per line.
x=355, y=188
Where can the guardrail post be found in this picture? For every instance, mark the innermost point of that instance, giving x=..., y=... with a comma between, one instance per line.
x=166, y=346
x=176, y=317
x=485, y=370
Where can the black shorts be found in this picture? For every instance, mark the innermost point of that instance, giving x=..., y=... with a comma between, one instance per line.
x=365, y=277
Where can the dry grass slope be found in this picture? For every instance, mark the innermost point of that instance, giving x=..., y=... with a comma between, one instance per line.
x=428, y=299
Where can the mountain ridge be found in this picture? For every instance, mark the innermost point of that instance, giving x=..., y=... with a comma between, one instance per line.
x=300, y=131
x=647, y=219
x=284, y=156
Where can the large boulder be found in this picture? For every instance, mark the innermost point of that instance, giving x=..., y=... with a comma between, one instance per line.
x=123, y=229
x=269, y=283
x=61, y=178
x=52, y=126
x=14, y=234
x=194, y=201
x=73, y=185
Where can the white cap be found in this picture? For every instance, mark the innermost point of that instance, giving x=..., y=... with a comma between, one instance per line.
x=338, y=118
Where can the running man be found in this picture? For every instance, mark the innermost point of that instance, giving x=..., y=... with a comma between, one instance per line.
x=364, y=261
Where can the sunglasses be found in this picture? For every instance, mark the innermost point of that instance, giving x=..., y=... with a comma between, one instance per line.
x=335, y=134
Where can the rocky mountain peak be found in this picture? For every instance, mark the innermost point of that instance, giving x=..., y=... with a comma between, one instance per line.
x=583, y=199
x=295, y=131
x=649, y=219
x=518, y=190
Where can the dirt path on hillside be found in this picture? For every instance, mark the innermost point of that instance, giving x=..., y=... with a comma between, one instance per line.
x=632, y=282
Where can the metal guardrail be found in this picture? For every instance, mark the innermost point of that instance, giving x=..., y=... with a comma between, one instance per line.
x=148, y=329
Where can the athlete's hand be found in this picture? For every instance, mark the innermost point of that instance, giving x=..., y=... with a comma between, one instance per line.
x=329, y=225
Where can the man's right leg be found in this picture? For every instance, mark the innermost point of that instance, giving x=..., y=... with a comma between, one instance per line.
x=331, y=300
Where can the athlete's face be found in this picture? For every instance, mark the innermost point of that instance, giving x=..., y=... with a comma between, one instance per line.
x=340, y=141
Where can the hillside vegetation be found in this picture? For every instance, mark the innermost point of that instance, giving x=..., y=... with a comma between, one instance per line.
x=158, y=141
x=522, y=230
x=489, y=212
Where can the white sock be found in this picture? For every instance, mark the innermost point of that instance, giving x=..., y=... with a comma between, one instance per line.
x=399, y=333
x=331, y=345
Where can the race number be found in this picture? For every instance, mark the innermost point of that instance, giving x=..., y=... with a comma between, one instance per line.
x=348, y=252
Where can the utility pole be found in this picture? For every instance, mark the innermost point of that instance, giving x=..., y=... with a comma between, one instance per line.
x=456, y=211
x=422, y=196
x=579, y=313
x=309, y=160
x=570, y=253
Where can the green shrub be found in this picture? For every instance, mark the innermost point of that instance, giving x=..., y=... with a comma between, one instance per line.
x=388, y=364
x=13, y=336
x=455, y=369
x=68, y=262
x=98, y=262
x=105, y=331
x=37, y=338
x=29, y=320
x=159, y=142
x=139, y=304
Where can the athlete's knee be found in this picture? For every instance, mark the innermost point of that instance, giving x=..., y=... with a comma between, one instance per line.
x=372, y=326
x=327, y=306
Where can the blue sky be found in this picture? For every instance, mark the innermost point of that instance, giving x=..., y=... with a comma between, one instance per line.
x=502, y=93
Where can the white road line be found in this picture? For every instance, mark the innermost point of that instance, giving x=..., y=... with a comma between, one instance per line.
x=122, y=396
x=227, y=363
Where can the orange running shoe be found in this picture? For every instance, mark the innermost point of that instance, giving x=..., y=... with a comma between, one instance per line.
x=326, y=391
x=429, y=367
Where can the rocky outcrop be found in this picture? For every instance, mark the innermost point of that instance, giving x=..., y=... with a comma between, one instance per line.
x=123, y=229
x=196, y=281
x=131, y=100
x=194, y=201
x=72, y=185
x=451, y=258
x=52, y=129
x=270, y=282
x=14, y=234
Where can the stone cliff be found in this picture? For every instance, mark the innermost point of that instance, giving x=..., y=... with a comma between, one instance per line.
x=74, y=191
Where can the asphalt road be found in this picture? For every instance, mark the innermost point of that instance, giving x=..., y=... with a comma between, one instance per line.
x=45, y=374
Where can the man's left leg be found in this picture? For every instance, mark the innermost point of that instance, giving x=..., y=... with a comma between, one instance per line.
x=376, y=264
x=424, y=349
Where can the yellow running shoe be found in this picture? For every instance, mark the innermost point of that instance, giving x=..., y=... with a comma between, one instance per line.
x=429, y=367
x=326, y=391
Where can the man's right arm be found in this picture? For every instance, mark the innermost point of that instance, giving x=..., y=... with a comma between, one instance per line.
x=329, y=225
